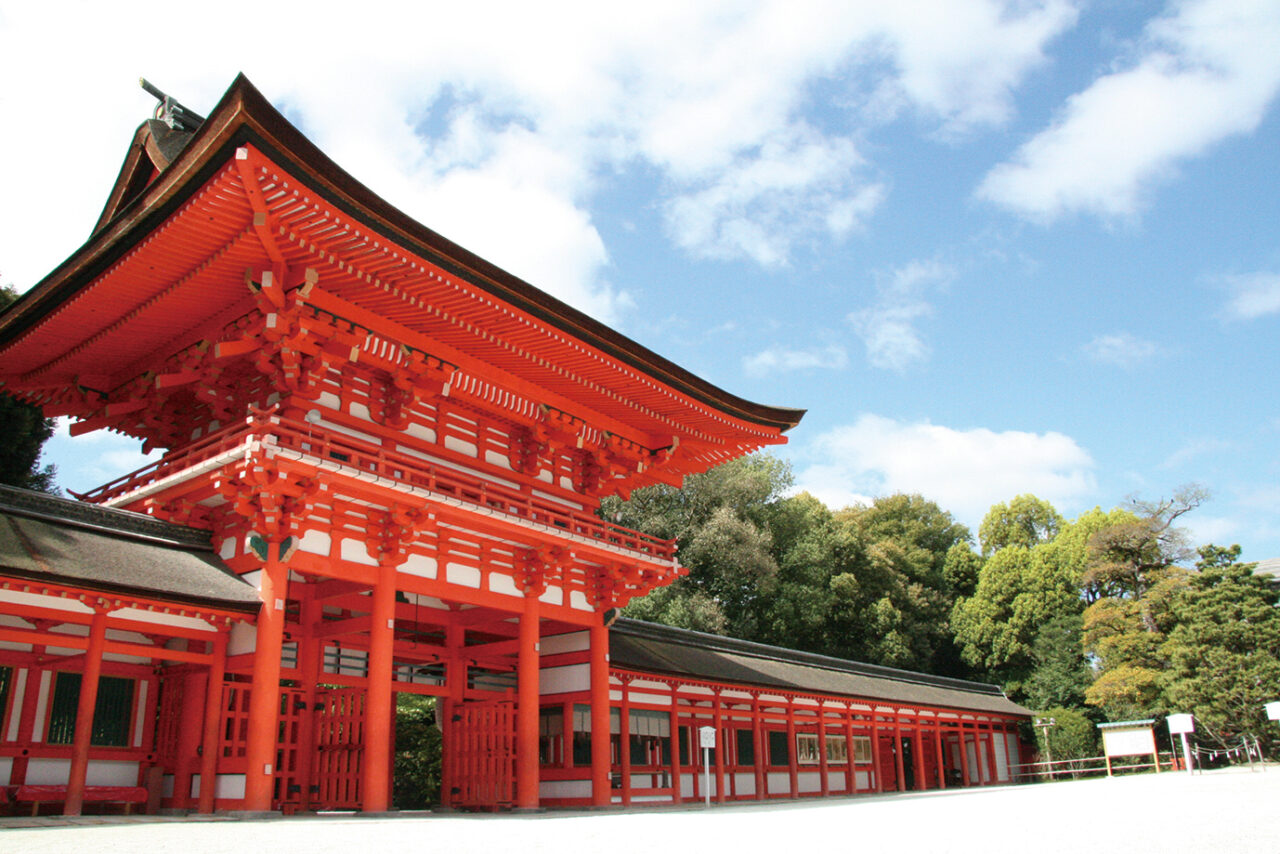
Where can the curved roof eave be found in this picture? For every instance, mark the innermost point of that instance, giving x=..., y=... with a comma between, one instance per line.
x=244, y=115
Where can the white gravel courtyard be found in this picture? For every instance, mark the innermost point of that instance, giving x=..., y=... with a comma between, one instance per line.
x=1219, y=812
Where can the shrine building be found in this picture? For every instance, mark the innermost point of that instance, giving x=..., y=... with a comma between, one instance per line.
x=383, y=458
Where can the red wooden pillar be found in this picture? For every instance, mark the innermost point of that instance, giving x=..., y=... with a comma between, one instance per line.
x=310, y=656
x=793, y=770
x=937, y=742
x=991, y=755
x=212, y=721
x=922, y=783
x=27, y=721
x=375, y=794
x=760, y=751
x=264, y=697
x=527, y=703
x=964, y=755
x=823, y=769
x=717, y=720
x=84, y=712
x=676, y=772
x=875, y=750
x=851, y=771
x=897, y=751
x=624, y=745
x=194, y=685
x=599, y=675
x=1008, y=752
x=455, y=675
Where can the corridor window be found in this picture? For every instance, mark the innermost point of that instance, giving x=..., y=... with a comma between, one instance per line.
x=111, y=715
x=861, y=749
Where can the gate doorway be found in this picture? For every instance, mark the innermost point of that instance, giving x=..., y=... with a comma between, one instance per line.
x=480, y=756
x=339, y=751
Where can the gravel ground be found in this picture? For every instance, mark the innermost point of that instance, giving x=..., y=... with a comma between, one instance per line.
x=1222, y=812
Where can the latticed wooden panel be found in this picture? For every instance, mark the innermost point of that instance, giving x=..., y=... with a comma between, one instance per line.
x=340, y=724
x=481, y=751
x=233, y=734
x=169, y=719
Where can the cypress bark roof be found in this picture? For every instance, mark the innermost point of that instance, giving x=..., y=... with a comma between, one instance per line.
x=636, y=645
x=44, y=538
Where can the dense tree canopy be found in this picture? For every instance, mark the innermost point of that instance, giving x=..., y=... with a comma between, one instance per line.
x=23, y=431
x=1091, y=618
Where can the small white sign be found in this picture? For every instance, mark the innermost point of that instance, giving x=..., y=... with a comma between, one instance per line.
x=1273, y=711
x=707, y=736
x=1181, y=723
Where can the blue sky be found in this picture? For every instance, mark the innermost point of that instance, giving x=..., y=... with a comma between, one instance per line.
x=993, y=248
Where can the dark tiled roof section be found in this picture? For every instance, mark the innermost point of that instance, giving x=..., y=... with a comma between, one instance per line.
x=647, y=647
x=114, y=551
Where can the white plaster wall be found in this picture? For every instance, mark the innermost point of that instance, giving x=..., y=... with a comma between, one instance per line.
x=561, y=680
x=315, y=542
x=48, y=772
x=746, y=783
x=567, y=642
x=19, y=692
x=39, y=600
x=227, y=786
x=1002, y=757
x=419, y=565
x=809, y=781
x=159, y=618
x=564, y=789
x=243, y=639
x=779, y=783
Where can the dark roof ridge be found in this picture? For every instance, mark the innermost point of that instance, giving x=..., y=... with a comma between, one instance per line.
x=721, y=643
x=107, y=520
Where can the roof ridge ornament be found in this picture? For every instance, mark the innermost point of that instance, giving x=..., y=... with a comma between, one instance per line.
x=171, y=112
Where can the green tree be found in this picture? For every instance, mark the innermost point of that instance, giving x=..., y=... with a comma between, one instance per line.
x=1073, y=735
x=1224, y=648
x=721, y=518
x=1024, y=521
x=418, y=752
x=1060, y=673
x=1132, y=576
x=1019, y=590
x=23, y=432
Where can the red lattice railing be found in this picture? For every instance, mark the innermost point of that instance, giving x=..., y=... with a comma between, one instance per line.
x=278, y=437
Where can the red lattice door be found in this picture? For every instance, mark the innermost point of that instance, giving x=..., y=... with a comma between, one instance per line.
x=340, y=724
x=481, y=752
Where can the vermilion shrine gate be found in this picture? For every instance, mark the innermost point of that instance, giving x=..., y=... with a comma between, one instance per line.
x=398, y=445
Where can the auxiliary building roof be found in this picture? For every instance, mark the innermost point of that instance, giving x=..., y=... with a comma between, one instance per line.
x=635, y=645
x=54, y=540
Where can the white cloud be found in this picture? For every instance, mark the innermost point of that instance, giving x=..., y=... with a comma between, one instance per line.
x=888, y=327
x=499, y=125
x=1205, y=71
x=964, y=471
x=777, y=359
x=1253, y=295
x=1120, y=348
x=1193, y=449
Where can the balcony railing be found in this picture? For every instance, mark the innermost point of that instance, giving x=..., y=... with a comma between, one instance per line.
x=350, y=456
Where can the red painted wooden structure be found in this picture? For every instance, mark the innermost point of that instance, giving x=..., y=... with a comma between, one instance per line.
x=401, y=448
x=399, y=445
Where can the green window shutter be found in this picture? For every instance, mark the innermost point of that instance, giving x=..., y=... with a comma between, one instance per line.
x=111, y=714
